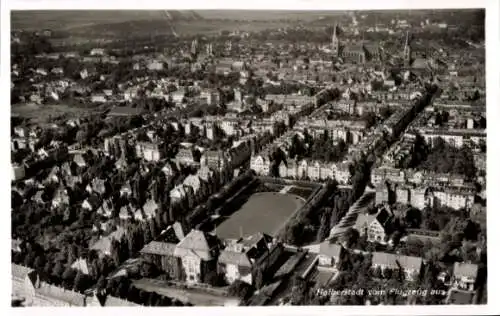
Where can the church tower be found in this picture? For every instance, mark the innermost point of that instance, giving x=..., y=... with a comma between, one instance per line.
x=335, y=42
x=194, y=47
x=407, y=52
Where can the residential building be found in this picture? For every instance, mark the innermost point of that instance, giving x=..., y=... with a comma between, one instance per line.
x=161, y=252
x=376, y=227
x=330, y=255
x=198, y=253
x=238, y=260
x=260, y=164
x=149, y=151
x=411, y=267
x=27, y=286
x=464, y=276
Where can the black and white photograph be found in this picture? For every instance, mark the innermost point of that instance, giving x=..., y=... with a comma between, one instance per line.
x=237, y=157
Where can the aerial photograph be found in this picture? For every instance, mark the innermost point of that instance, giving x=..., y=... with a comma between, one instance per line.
x=247, y=157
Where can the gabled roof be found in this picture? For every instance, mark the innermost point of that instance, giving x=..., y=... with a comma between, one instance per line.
x=396, y=261
x=121, y=163
x=178, y=230
x=16, y=244
x=331, y=250
x=20, y=272
x=99, y=185
x=150, y=207
x=193, y=181
x=363, y=220
x=94, y=201
x=236, y=258
x=54, y=292
x=104, y=244
x=252, y=240
x=79, y=160
x=159, y=248
x=196, y=242
x=462, y=269
x=81, y=265
x=105, y=207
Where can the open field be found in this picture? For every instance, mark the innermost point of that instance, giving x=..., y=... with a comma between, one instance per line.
x=157, y=27
x=264, y=212
x=40, y=114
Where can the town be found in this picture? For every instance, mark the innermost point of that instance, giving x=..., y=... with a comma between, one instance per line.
x=324, y=160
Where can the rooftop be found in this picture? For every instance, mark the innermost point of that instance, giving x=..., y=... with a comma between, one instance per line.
x=396, y=261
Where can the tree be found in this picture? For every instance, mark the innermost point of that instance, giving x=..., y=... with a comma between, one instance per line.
x=68, y=277
x=299, y=291
x=81, y=282
x=123, y=288
x=259, y=278
x=211, y=277
x=57, y=272
x=351, y=237
x=133, y=294
x=146, y=270
x=29, y=260
x=39, y=263
x=47, y=270
x=240, y=289
x=324, y=228
x=102, y=283
x=387, y=273
x=413, y=218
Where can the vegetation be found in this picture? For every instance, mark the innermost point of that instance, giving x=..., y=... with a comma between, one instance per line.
x=444, y=158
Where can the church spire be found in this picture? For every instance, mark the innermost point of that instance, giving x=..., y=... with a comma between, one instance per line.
x=407, y=51
x=335, y=41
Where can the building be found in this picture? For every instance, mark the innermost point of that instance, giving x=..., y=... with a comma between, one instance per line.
x=238, y=260
x=411, y=267
x=18, y=172
x=452, y=196
x=198, y=253
x=331, y=255
x=27, y=287
x=103, y=245
x=376, y=227
x=162, y=254
x=155, y=66
x=82, y=266
x=185, y=156
x=261, y=164
x=464, y=276
x=213, y=159
x=194, y=182
x=211, y=96
x=149, y=151
x=358, y=54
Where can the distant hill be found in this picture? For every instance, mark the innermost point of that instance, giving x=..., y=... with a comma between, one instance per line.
x=67, y=20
